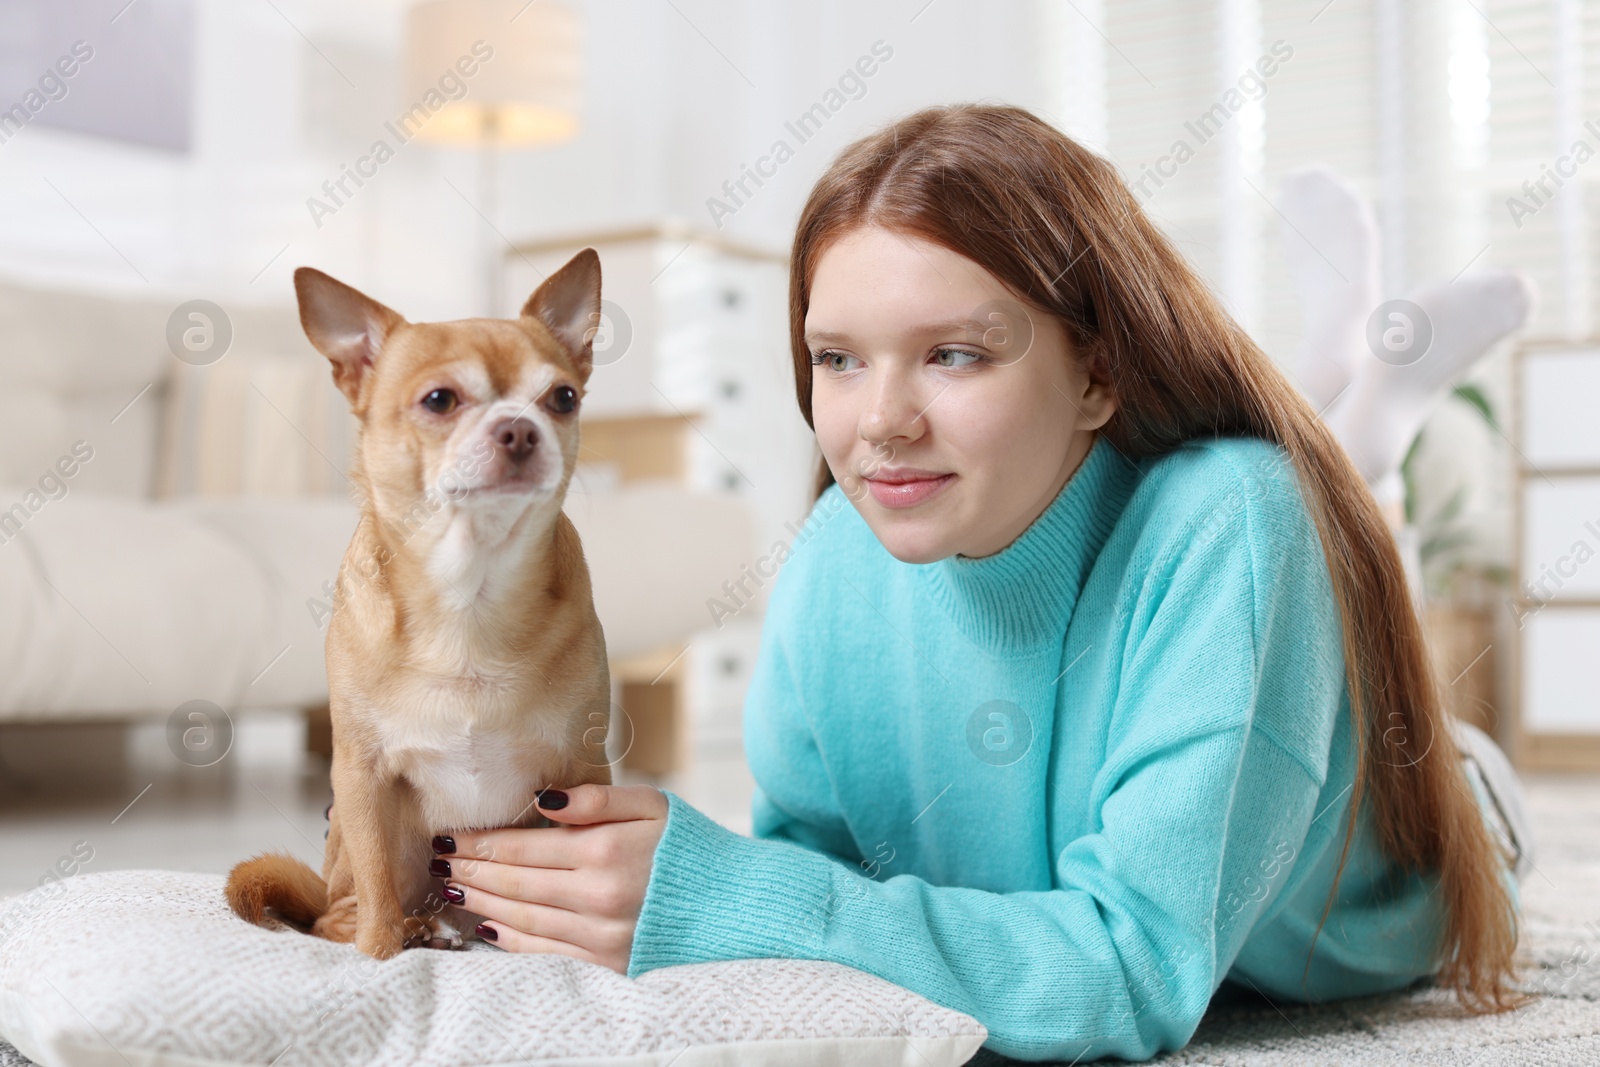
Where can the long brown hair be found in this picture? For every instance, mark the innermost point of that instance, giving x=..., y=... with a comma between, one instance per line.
x=1057, y=225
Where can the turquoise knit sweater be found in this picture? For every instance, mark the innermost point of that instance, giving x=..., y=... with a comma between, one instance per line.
x=1067, y=788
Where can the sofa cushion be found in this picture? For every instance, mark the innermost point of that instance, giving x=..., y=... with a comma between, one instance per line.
x=39, y=428
x=123, y=607
x=151, y=967
x=255, y=424
x=72, y=361
x=114, y=606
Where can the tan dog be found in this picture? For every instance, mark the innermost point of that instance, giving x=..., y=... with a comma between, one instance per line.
x=466, y=667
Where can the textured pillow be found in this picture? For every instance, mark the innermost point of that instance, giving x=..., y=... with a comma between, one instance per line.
x=149, y=967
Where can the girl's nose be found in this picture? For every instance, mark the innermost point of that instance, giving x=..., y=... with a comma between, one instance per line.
x=895, y=411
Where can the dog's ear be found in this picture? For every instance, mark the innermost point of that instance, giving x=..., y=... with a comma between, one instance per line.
x=568, y=304
x=346, y=326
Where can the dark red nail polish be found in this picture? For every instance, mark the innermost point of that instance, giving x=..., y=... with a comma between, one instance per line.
x=552, y=799
x=440, y=868
x=453, y=894
x=487, y=932
x=444, y=843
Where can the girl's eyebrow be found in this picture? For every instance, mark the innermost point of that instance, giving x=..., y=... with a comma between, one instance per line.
x=965, y=326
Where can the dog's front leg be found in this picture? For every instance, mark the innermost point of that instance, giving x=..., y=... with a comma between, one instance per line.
x=367, y=805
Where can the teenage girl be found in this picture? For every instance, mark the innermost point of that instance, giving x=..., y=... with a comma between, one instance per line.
x=1094, y=680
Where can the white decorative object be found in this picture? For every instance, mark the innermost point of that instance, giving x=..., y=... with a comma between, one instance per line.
x=151, y=967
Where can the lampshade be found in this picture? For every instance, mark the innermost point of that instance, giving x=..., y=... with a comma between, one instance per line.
x=514, y=69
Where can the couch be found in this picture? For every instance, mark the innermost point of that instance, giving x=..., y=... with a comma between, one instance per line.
x=168, y=525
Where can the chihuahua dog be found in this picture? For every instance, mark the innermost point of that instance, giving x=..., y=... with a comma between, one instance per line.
x=466, y=666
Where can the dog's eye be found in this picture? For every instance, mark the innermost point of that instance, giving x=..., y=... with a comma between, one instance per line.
x=563, y=398
x=440, y=401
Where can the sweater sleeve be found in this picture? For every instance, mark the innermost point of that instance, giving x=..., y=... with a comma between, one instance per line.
x=794, y=798
x=1197, y=817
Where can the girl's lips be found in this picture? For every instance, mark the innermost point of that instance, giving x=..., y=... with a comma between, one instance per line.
x=906, y=494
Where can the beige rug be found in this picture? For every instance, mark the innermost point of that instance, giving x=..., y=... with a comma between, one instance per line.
x=1424, y=1028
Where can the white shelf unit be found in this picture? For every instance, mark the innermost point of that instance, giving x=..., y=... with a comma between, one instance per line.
x=705, y=323
x=1556, y=572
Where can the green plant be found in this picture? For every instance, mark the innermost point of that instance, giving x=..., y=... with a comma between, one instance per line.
x=1442, y=535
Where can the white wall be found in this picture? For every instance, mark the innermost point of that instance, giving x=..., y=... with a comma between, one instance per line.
x=677, y=96
x=680, y=95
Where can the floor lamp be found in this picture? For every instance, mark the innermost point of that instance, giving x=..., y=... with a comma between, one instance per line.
x=515, y=71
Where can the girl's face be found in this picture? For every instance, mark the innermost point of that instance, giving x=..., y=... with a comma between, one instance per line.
x=947, y=410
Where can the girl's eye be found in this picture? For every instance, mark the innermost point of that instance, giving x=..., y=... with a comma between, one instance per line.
x=441, y=401
x=955, y=357
x=832, y=360
x=563, y=398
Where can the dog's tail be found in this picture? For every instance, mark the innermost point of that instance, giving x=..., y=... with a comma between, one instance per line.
x=279, y=883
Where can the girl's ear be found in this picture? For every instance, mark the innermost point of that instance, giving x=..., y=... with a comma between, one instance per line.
x=1097, y=401
x=1098, y=405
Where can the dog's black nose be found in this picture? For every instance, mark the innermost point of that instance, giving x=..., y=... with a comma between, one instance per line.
x=516, y=437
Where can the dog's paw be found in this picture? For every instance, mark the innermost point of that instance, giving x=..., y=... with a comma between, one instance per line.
x=436, y=932
x=443, y=942
x=382, y=940
x=447, y=936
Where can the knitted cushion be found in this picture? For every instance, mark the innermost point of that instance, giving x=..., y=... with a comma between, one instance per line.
x=151, y=967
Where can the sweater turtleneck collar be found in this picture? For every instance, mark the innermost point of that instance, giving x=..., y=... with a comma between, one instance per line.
x=1023, y=595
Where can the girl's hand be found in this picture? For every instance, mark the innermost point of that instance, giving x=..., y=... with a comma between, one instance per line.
x=575, y=889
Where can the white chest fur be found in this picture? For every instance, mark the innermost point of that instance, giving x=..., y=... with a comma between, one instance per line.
x=473, y=770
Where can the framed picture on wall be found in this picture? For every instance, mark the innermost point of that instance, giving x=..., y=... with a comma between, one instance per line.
x=122, y=69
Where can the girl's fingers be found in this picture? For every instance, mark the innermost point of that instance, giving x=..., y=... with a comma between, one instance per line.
x=593, y=803
x=541, y=920
x=557, y=846
x=514, y=940
x=548, y=848
x=554, y=888
x=541, y=928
